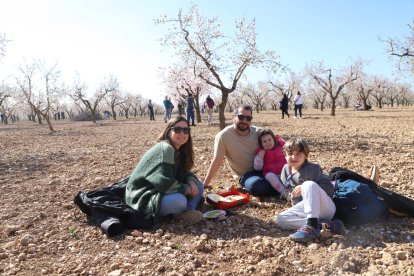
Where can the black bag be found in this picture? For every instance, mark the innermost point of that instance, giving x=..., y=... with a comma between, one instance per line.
x=110, y=212
x=357, y=204
x=397, y=203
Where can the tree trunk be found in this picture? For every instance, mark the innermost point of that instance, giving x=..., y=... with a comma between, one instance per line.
x=49, y=124
x=39, y=118
x=113, y=112
x=93, y=112
x=333, y=107
x=222, y=107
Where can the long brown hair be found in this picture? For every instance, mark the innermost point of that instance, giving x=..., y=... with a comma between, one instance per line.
x=185, y=156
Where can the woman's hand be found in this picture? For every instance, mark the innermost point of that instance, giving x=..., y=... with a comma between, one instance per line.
x=193, y=188
x=297, y=191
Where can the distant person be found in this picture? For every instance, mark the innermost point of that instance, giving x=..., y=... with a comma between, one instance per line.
x=180, y=107
x=311, y=195
x=298, y=100
x=168, y=107
x=270, y=160
x=190, y=109
x=162, y=183
x=237, y=144
x=209, y=105
x=150, y=107
x=284, y=106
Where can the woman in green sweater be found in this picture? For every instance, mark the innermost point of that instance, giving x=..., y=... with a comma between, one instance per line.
x=162, y=183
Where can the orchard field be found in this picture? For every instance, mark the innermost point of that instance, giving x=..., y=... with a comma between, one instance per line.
x=43, y=233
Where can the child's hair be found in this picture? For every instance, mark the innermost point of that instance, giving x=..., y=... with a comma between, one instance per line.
x=267, y=132
x=296, y=144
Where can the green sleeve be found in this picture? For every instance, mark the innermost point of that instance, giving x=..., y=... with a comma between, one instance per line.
x=162, y=171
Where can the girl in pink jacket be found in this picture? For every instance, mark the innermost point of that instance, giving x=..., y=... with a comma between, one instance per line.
x=270, y=158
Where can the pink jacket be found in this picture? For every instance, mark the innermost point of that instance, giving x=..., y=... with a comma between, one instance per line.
x=273, y=160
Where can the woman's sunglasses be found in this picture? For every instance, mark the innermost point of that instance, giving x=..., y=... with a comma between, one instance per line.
x=178, y=129
x=242, y=117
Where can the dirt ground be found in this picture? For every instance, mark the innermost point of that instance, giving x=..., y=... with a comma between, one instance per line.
x=43, y=233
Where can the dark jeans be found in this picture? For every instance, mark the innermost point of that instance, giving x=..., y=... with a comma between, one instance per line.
x=255, y=183
x=151, y=115
x=285, y=111
x=298, y=107
x=190, y=115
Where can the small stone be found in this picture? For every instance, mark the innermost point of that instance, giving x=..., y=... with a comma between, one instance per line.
x=126, y=265
x=200, y=245
x=204, y=237
x=136, y=233
x=401, y=255
x=67, y=206
x=313, y=246
x=54, y=182
x=99, y=180
x=11, y=229
x=21, y=257
x=117, y=272
x=26, y=240
x=114, y=266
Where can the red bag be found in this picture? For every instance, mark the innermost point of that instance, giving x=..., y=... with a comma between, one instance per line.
x=244, y=198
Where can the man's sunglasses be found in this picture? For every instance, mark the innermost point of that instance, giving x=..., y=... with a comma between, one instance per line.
x=178, y=129
x=242, y=117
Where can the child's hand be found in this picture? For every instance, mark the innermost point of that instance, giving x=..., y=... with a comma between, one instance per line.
x=297, y=191
x=261, y=153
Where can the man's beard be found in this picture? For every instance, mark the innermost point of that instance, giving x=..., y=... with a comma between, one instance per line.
x=242, y=127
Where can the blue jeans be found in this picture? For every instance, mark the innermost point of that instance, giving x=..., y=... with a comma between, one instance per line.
x=255, y=183
x=177, y=203
x=190, y=115
x=298, y=107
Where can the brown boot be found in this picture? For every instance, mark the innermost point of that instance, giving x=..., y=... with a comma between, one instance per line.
x=190, y=216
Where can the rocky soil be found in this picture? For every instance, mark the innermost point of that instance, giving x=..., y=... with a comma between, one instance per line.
x=43, y=233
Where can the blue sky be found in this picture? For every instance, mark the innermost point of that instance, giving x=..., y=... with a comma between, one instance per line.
x=98, y=38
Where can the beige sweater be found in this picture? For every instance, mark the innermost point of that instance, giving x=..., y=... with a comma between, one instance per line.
x=239, y=151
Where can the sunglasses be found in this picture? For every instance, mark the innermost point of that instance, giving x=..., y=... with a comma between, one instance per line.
x=178, y=129
x=242, y=117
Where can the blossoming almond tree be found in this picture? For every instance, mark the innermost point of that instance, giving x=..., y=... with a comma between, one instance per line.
x=182, y=81
x=223, y=58
x=403, y=50
x=38, y=84
x=330, y=84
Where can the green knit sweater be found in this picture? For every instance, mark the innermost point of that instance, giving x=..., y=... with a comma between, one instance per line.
x=154, y=176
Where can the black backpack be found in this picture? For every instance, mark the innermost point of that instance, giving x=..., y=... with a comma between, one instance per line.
x=107, y=208
x=397, y=204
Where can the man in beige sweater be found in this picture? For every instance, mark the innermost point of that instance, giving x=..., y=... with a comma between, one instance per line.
x=237, y=143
